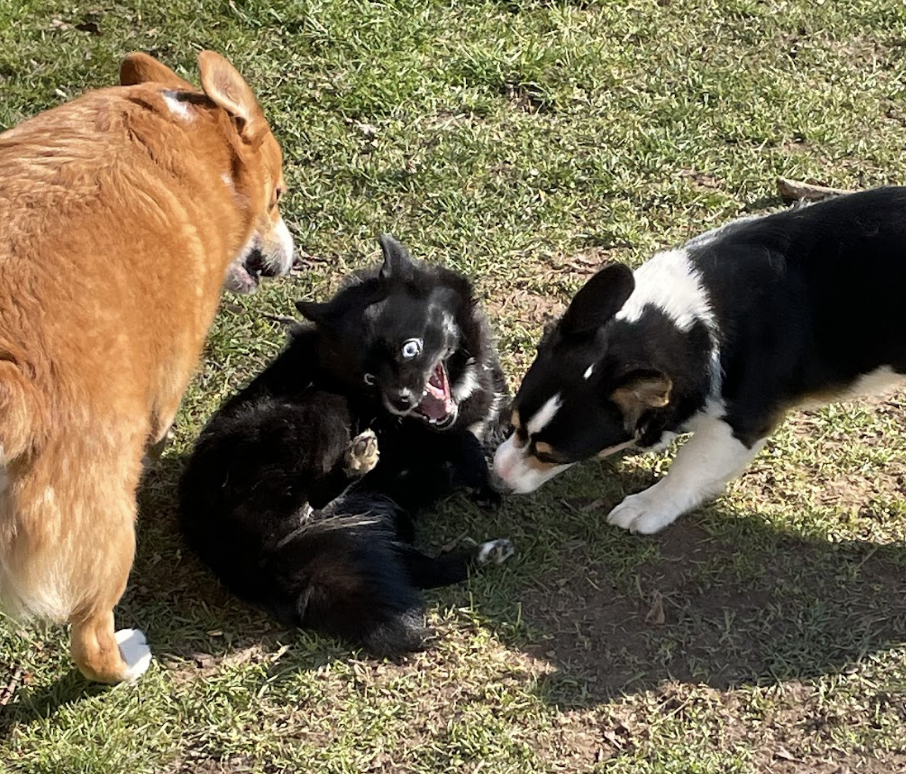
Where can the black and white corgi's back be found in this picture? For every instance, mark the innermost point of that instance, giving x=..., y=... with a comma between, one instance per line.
x=719, y=338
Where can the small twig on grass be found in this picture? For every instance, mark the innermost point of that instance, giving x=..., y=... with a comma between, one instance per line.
x=794, y=190
x=9, y=690
x=281, y=318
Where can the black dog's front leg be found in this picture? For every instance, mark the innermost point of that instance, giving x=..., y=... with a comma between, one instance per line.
x=359, y=457
x=466, y=455
x=288, y=453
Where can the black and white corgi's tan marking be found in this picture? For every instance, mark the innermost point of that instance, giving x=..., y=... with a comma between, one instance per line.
x=300, y=489
x=719, y=339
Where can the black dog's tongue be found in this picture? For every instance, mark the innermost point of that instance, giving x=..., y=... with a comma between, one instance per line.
x=432, y=408
x=437, y=403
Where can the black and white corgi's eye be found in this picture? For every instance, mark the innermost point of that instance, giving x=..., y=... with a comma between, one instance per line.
x=411, y=348
x=369, y=379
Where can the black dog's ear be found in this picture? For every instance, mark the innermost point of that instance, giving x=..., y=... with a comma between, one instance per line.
x=598, y=300
x=640, y=390
x=315, y=311
x=397, y=261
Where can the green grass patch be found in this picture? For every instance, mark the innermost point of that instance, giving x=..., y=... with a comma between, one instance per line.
x=522, y=142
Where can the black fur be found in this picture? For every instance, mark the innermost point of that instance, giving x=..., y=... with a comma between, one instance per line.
x=302, y=435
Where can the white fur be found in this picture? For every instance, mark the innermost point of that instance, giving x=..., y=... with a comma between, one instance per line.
x=451, y=329
x=467, y=383
x=135, y=652
x=511, y=464
x=282, y=258
x=588, y=372
x=874, y=382
x=228, y=181
x=671, y=283
x=177, y=107
x=703, y=467
x=496, y=551
x=544, y=415
x=879, y=380
x=480, y=428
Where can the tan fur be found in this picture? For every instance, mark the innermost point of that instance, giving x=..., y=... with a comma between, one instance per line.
x=116, y=231
x=516, y=422
x=640, y=395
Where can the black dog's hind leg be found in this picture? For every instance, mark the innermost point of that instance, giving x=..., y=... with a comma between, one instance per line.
x=431, y=572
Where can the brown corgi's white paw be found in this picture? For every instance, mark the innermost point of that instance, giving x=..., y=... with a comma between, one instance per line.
x=135, y=652
x=363, y=454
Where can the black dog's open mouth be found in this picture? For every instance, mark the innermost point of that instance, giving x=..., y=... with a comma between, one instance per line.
x=437, y=404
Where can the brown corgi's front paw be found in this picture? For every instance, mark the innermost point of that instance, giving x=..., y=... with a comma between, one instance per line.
x=362, y=454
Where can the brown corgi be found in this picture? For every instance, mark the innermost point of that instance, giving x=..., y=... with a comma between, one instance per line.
x=122, y=213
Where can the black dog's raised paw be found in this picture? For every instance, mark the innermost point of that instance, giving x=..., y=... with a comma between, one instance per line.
x=362, y=454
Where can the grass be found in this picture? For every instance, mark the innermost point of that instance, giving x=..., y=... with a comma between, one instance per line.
x=522, y=142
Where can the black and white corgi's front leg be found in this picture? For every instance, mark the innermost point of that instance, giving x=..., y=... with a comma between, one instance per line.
x=718, y=451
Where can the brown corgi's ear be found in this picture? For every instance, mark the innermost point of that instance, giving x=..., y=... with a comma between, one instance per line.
x=598, y=300
x=138, y=68
x=397, y=261
x=228, y=89
x=640, y=391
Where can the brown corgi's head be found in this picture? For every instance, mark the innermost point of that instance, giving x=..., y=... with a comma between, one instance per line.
x=255, y=176
x=588, y=393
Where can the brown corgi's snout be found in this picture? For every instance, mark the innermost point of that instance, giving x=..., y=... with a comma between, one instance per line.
x=269, y=253
x=270, y=250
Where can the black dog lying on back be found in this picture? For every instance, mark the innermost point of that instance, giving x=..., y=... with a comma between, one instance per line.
x=299, y=491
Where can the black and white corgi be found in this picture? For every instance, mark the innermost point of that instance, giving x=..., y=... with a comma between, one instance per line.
x=300, y=489
x=719, y=338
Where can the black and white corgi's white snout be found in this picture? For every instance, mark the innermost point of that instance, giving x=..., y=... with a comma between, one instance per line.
x=579, y=398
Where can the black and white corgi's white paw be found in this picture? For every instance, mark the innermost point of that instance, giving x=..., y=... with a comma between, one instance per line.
x=362, y=454
x=494, y=552
x=644, y=513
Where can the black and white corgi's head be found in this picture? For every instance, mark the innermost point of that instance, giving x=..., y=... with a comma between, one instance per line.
x=392, y=332
x=593, y=388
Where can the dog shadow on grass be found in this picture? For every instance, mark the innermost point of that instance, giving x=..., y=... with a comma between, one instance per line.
x=192, y=624
x=720, y=598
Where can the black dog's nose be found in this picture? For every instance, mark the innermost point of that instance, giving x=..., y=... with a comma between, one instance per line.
x=403, y=400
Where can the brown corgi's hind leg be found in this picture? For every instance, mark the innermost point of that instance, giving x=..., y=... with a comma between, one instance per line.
x=100, y=652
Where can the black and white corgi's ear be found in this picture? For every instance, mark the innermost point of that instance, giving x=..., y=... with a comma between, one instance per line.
x=397, y=261
x=639, y=391
x=598, y=300
x=314, y=311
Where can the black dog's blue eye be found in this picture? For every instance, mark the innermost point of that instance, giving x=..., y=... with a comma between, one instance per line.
x=411, y=348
